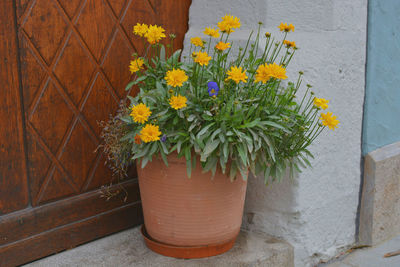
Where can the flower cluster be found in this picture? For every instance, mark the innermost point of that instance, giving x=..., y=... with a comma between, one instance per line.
x=290, y=44
x=235, y=111
x=221, y=46
x=152, y=33
x=284, y=27
x=267, y=71
x=329, y=120
x=150, y=133
x=140, y=113
x=136, y=65
x=211, y=32
x=202, y=58
x=178, y=102
x=237, y=74
x=176, y=77
x=229, y=23
x=197, y=41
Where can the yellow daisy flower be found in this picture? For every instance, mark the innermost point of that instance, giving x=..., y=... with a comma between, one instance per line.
x=262, y=74
x=154, y=34
x=176, y=77
x=283, y=27
x=267, y=71
x=150, y=133
x=321, y=103
x=202, y=58
x=290, y=44
x=221, y=46
x=229, y=23
x=329, y=120
x=211, y=32
x=140, y=113
x=267, y=34
x=136, y=65
x=237, y=75
x=140, y=29
x=178, y=102
x=197, y=41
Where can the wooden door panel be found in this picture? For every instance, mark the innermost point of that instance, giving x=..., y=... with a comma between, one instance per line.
x=13, y=181
x=82, y=50
x=65, y=68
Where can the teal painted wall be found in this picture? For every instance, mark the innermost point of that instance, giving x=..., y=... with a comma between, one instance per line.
x=381, y=125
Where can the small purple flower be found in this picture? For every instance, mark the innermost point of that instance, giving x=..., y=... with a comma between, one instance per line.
x=213, y=88
x=164, y=138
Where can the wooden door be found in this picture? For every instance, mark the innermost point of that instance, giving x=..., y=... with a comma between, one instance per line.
x=63, y=68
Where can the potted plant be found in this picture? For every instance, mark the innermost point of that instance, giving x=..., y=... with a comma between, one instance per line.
x=197, y=127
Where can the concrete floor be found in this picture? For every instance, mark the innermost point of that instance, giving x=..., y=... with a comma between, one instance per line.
x=370, y=257
x=127, y=248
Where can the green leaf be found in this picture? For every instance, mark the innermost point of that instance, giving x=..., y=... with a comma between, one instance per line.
x=210, y=147
x=225, y=149
x=175, y=56
x=164, y=157
x=276, y=125
x=178, y=146
x=129, y=136
x=308, y=153
x=148, y=97
x=229, y=133
x=210, y=163
x=222, y=138
x=164, y=148
x=267, y=172
x=153, y=148
x=141, y=153
x=191, y=117
x=138, y=80
x=206, y=117
x=244, y=173
x=249, y=145
x=144, y=162
x=269, y=145
x=188, y=162
x=204, y=130
x=130, y=84
x=127, y=119
x=250, y=124
x=160, y=88
x=162, y=53
x=242, y=154
x=218, y=131
x=233, y=171
x=192, y=126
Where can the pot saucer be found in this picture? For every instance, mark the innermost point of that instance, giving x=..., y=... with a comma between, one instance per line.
x=192, y=252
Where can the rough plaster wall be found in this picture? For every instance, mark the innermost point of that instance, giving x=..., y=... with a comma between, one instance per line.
x=317, y=214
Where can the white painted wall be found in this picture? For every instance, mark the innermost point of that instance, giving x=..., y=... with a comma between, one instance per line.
x=317, y=214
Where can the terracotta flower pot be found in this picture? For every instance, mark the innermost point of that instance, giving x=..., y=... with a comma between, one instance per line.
x=194, y=212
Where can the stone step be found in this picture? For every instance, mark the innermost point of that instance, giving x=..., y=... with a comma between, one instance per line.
x=127, y=248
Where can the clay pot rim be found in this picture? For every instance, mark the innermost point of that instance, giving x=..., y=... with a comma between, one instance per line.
x=174, y=155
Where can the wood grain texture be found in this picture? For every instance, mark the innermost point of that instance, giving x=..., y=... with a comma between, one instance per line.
x=63, y=68
x=20, y=225
x=71, y=235
x=74, y=64
x=13, y=179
